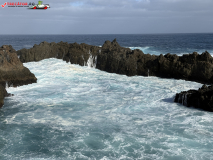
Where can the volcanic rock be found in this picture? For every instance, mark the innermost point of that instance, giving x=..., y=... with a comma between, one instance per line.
x=113, y=58
x=116, y=59
x=74, y=53
x=3, y=93
x=201, y=98
x=12, y=71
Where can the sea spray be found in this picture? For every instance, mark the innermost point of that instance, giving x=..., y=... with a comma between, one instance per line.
x=92, y=61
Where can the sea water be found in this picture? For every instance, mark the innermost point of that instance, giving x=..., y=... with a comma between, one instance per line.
x=76, y=112
x=149, y=43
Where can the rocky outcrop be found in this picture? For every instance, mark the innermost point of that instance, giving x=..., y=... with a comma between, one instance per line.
x=12, y=71
x=74, y=53
x=3, y=93
x=113, y=58
x=201, y=98
x=116, y=59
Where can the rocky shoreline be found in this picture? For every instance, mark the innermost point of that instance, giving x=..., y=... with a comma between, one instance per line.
x=12, y=72
x=113, y=58
x=201, y=98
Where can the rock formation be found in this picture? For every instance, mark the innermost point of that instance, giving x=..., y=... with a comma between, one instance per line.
x=116, y=59
x=201, y=98
x=74, y=53
x=193, y=67
x=3, y=93
x=12, y=71
x=113, y=58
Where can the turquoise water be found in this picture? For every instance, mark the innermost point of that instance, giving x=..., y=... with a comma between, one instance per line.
x=76, y=112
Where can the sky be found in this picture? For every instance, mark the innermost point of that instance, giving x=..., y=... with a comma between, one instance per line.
x=109, y=17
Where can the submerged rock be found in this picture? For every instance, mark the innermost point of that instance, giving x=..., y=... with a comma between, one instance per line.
x=201, y=98
x=12, y=71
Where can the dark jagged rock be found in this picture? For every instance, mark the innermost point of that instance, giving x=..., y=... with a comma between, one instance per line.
x=74, y=53
x=80, y=53
x=113, y=58
x=3, y=93
x=12, y=71
x=201, y=98
x=116, y=59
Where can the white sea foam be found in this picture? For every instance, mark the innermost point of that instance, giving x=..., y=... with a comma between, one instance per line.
x=147, y=50
x=92, y=61
x=76, y=112
x=152, y=51
x=27, y=46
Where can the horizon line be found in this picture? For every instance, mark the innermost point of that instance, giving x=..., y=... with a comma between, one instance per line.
x=114, y=33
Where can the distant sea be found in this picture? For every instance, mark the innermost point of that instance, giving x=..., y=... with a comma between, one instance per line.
x=82, y=113
x=148, y=43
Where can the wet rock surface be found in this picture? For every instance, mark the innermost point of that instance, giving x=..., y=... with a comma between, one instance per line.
x=201, y=98
x=12, y=71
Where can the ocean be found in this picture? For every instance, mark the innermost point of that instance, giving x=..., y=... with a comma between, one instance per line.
x=79, y=112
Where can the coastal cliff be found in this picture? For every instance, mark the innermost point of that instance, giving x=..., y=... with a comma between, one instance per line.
x=12, y=71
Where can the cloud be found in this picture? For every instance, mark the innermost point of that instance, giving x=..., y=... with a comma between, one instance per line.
x=111, y=16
